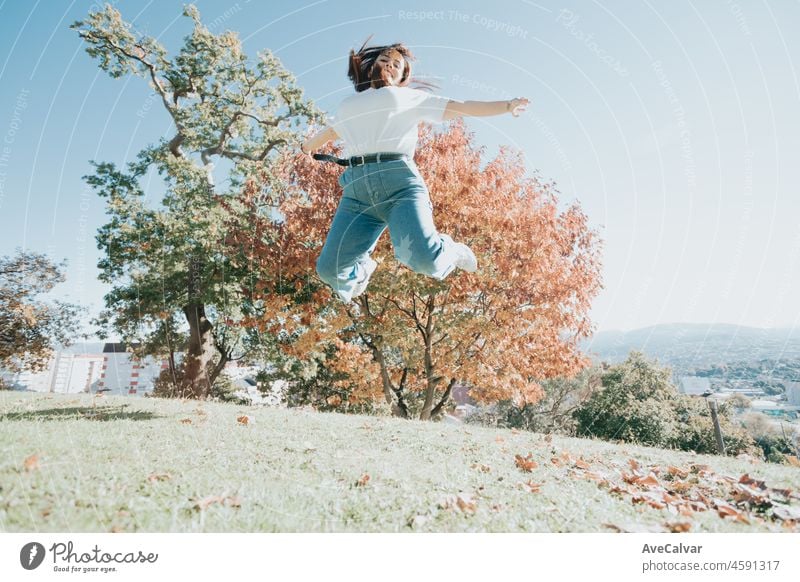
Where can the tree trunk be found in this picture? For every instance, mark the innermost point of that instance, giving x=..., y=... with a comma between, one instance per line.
x=198, y=365
x=437, y=410
x=393, y=396
x=173, y=371
x=430, y=389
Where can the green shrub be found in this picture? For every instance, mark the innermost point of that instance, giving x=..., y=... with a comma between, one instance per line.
x=312, y=382
x=638, y=404
x=695, y=429
x=633, y=405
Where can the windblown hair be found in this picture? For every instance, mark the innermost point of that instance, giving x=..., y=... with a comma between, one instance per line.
x=364, y=72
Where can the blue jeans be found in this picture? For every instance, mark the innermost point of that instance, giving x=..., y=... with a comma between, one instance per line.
x=376, y=196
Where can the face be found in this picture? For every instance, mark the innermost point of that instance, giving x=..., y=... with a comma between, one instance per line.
x=394, y=65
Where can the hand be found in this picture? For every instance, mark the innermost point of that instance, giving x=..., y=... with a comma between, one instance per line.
x=517, y=105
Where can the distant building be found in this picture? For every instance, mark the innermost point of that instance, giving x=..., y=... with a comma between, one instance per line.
x=694, y=385
x=749, y=392
x=75, y=373
x=122, y=374
x=116, y=372
x=66, y=373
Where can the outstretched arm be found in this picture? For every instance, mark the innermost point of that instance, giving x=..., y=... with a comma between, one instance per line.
x=484, y=108
x=319, y=140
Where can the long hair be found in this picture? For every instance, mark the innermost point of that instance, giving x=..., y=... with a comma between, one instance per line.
x=365, y=73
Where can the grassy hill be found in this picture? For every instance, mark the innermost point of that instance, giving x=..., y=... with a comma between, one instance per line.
x=154, y=465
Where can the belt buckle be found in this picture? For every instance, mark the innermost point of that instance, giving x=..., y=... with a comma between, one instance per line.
x=354, y=164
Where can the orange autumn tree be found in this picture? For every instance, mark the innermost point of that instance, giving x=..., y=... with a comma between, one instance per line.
x=304, y=334
x=500, y=331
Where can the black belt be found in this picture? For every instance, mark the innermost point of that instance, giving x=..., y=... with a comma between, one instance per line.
x=360, y=160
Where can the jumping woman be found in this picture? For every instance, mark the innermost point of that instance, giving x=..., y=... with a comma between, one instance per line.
x=382, y=186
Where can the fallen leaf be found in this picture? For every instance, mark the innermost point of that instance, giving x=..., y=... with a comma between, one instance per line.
x=678, y=472
x=649, y=481
x=679, y=526
x=618, y=489
x=244, y=419
x=792, y=460
x=747, y=480
x=31, y=463
x=669, y=498
x=526, y=464
x=533, y=487
x=481, y=468
x=154, y=477
x=743, y=493
x=726, y=510
x=363, y=480
x=680, y=486
x=636, y=528
x=204, y=503
x=592, y=476
x=581, y=464
x=650, y=499
x=463, y=502
x=186, y=421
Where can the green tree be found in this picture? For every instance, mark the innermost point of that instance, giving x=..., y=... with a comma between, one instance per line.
x=635, y=404
x=695, y=429
x=31, y=328
x=175, y=279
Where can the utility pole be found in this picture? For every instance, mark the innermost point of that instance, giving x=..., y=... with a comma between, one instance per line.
x=712, y=405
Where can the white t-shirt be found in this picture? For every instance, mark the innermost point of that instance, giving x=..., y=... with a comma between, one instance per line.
x=385, y=119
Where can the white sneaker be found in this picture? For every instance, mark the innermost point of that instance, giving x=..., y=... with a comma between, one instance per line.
x=361, y=286
x=465, y=258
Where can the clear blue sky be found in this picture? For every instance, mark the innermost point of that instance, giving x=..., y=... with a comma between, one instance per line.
x=675, y=125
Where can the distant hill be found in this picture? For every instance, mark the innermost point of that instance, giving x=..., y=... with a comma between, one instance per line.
x=691, y=345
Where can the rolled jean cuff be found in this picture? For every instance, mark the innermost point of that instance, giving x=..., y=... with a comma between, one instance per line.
x=446, y=258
